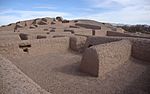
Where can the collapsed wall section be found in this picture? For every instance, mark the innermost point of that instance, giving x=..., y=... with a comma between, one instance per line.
x=16, y=82
x=100, y=59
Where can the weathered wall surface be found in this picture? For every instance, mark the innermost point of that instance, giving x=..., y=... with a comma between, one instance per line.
x=113, y=33
x=14, y=37
x=35, y=47
x=46, y=35
x=9, y=27
x=54, y=45
x=99, y=40
x=83, y=31
x=100, y=33
x=13, y=81
x=77, y=43
x=100, y=59
x=120, y=30
x=141, y=49
x=63, y=34
x=37, y=29
x=120, y=34
x=10, y=49
x=140, y=46
x=88, y=26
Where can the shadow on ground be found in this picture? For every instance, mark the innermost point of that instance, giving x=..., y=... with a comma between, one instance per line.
x=140, y=85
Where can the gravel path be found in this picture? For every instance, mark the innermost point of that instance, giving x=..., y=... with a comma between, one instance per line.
x=59, y=74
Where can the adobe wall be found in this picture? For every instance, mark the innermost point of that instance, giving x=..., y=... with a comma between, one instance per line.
x=9, y=27
x=100, y=59
x=99, y=40
x=140, y=46
x=31, y=35
x=14, y=37
x=63, y=34
x=120, y=30
x=35, y=47
x=37, y=29
x=113, y=33
x=100, y=33
x=88, y=26
x=33, y=31
x=53, y=45
x=8, y=33
x=83, y=31
x=10, y=49
x=14, y=81
x=77, y=43
x=141, y=49
x=120, y=34
x=29, y=23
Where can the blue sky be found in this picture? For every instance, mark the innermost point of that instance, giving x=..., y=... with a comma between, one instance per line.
x=113, y=11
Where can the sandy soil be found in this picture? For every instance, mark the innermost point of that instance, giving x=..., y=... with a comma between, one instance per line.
x=59, y=74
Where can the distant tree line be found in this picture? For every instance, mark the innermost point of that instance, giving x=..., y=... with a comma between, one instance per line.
x=136, y=28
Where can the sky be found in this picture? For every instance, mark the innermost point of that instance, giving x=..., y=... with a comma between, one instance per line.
x=112, y=11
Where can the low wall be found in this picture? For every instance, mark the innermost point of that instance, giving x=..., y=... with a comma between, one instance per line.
x=119, y=34
x=120, y=30
x=16, y=82
x=27, y=30
x=140, y=46
x=113, y=33
x=14, y=37
x=88, y=26
x=46, y=35
x=35, y=47
x=141, y=49
x=100, y=59
x=77, y=43
x=53, y=45
x=105, y=28
x=65, y=34
x=100, y=33
x=9, y=27
x=99, y=40
x=10, y=49
x=83, y=31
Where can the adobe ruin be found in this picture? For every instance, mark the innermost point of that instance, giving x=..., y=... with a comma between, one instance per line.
x=56, y=56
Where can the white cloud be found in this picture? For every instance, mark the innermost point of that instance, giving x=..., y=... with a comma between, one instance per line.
x=113, y=3
x=128, y=15
x=10, y=16
x=129, y=11
x=45, y=7
x=125, y=11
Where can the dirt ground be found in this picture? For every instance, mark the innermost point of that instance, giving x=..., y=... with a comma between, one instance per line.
x=59, y=74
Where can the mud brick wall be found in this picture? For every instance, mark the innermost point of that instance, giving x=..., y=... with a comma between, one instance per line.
x=100, y=59
x=14, y=81
x=140, y=46
x=77, y=43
